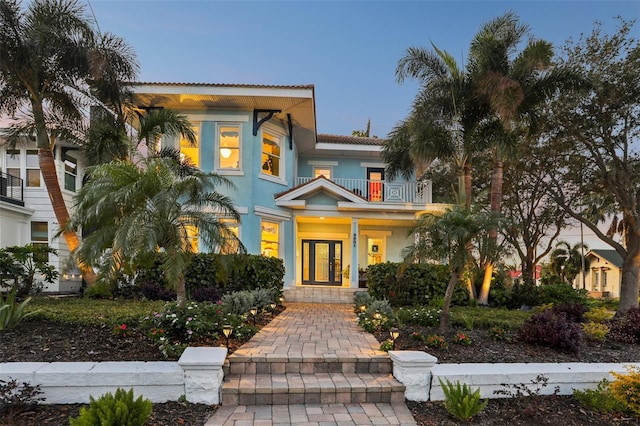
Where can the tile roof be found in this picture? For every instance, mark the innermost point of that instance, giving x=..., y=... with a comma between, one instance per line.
x=349, y=140
x=250, y=86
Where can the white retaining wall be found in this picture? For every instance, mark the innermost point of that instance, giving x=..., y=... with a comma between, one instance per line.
x=421, y=375
x=197, y=375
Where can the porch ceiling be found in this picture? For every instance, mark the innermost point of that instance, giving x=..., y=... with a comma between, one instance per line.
x=298, y=101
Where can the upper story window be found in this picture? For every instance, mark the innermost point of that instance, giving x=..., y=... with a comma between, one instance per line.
x=70, y=173
x=33, y=168
x=192, y=151
x=14, y=165
x=322, y=171
x=228, y=147
x=271, y=154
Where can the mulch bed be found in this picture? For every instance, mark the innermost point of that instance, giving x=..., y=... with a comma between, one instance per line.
x=47, y=341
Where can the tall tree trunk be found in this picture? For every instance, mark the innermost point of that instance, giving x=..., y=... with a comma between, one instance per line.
x=448, y=295
x=629, y=284
x=48, y=169
x=181, y=291
x=467, y=184
x=496, y=201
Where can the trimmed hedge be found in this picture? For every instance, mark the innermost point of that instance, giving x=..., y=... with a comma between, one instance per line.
x=213, y=275
x=416, y=284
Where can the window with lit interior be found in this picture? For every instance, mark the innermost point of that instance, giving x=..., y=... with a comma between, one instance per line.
x=228, y=147
x=40, y=237
x=192, y=151
x=269, y=239
x=271, y=154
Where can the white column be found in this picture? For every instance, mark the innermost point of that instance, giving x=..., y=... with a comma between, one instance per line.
x=413, y=369
x=203, y=374
x=353, y=279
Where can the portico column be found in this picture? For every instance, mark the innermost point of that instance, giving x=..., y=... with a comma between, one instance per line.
x=353, y=276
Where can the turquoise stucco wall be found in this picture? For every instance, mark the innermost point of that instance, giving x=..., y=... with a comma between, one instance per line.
x=347, y=168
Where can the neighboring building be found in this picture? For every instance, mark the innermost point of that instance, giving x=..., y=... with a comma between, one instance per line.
x=26, y=215
x=604, y=274
x=322, y=203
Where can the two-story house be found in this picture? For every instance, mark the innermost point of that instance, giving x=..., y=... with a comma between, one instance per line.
x=322, y=203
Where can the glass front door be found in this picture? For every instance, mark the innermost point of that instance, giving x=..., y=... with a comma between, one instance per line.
x=321, y=262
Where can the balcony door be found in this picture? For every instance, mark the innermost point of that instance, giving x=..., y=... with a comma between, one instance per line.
x=375, y=186
x=321, y=262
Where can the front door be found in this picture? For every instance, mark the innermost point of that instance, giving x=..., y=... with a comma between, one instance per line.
x=375, y=179
x=322, y=262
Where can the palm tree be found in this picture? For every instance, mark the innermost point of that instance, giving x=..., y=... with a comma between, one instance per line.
x=449, y=237
x=440, y=119
x=565, y=261
x=154, y=206
x=51, y=57
x=512, y=87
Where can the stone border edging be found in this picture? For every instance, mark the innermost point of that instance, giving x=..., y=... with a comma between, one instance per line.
x=419, y=372
x=197, y=375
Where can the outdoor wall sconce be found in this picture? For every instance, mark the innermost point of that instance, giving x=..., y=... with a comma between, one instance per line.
x=254, y=312
x=394, y=333
x=227, y=330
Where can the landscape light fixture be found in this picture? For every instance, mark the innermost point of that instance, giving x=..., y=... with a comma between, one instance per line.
x=227, y=330
x=273, y=306
x=281, y=299
x=377, y=315
x=363, y=308
x=254, y=312
x=394, y=333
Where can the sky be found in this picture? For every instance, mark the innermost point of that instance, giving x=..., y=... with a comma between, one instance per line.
x=347, y=49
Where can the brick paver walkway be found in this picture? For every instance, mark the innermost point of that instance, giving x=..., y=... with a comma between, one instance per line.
x=309, y=339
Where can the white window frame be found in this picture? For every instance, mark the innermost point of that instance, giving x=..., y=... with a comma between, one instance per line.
x=316, y=168
x=280, y=228
x=36, y=242
x=228, y=171
x=67, y=173
x=278, y=134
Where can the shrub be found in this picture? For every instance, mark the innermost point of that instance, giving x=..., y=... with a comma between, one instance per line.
x=598, y=315
x=16, y=396
x=369, y=320
x=176, y=326
x=205, y=294
x=241, y=302
x=523, y=294
x=361, y=298
x=462, y=339
x=426, y=317
x=12, y=312
x=118, y=410
x=436, y=342
x=461, y=401
x=574, y=311
x=386, y=346
x=100, y=290
x=626, y=328
x=157, y=291
x=411, y=285
x=551, y=329
x=498, y=333
x=562, y=293
x=595, y=331
x=600, y=399
x=626, y=388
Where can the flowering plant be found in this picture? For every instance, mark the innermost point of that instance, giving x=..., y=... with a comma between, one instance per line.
x=435, y=341
x=462, y=338
x=122, y=330
x=498, y=333
x=416, y=335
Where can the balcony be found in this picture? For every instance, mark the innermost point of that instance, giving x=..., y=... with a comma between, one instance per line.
x=11, y=189
x=377, y=191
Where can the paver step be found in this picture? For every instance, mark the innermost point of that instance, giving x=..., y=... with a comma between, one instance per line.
x=327, y=363
x=319, y=388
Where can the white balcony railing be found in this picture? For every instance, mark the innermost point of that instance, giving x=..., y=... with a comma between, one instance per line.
x=383, y=191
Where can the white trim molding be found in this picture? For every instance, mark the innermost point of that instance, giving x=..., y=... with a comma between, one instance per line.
x=271, y=213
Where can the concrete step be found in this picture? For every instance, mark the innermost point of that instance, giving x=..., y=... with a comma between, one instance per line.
x=320, y=294
x=318, y=388
x=329, y=363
